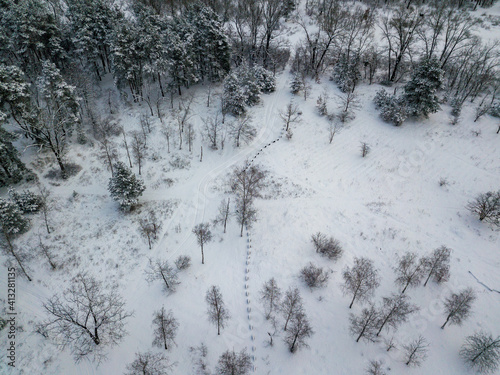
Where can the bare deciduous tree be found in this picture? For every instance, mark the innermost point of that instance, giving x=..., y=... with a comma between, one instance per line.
x=437, y=265
x=457, y=307
x=487, y=207
x=165, y=328
x=242, y=130
x=232, y=363
x=149, y=227
x=190, y=136
x=47, y=253
x=395, y=310
x=361, y=280
x=409, y=271
x=138, y=149
x=203, y=236
x=365, y=326
x=365, y=149
x=46, y=205
x=349, y=102
x=224, y=212
x=167, y=129
x=162, y=270
x=149, y=363
x=313, y=276
x=291, y=305
x=201, y=353
x=375, y=368
x=298, y=331
x=270, y=295
x=247, y=183
x=290, y=115
x=416, y=352
x=212, y=130
x=86, y=317
x=217, y=312
x=399, y=29
x=481, y=352
x=329, y=247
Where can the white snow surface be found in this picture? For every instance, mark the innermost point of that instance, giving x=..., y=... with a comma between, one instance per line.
x=378, y=207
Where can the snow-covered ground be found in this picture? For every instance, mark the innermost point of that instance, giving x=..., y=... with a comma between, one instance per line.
x=379, y=206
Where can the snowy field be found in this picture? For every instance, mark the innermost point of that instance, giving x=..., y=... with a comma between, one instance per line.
x=379, y=207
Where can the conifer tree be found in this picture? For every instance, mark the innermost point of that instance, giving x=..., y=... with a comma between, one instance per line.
x=420, y=91
x=13, y=224
x=125, y=187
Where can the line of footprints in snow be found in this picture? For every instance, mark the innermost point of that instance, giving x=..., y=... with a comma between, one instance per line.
x=247, y=270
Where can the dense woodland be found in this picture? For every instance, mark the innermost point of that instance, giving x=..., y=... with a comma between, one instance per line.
x=67, y=67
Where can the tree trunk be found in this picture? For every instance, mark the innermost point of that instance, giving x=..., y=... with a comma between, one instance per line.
x=202, y=255
x=11, y=248
x=447, y=319
x=428, y=277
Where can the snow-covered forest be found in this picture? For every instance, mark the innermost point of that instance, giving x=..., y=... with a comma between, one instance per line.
x=249, y=187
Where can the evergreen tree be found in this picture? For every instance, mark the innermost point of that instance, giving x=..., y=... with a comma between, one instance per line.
x=125, y=187
x=91, y=23
x=128, y=57
x=420, y=91
x=297, y=84
x=32, y=35
x=13, y=224
x=210, y=44
x=12, y=168
x=14, y=92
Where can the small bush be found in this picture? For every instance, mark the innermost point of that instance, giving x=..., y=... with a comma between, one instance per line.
x=183, y=262
x=328, y=247
x=392, y=109
x=314, y=277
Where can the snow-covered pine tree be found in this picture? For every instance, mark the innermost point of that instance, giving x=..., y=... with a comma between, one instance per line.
x=11, y=167
x=420, y=92
x=297, y=84
x=32, y=34
x=244, y=86
x=392, y=109
x=210, y=43
x=125, y=187
x=128, y=57
x=12, y=224
x=91, y=23
x=14, y=93
x=26, y=201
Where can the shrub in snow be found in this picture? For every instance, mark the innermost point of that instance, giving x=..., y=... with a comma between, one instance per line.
x=183, y=262
x=125, y=187
x=487, y=207
x=314, y=277
x=26, y=201
x=392, y=109
x=495, y=109
x=328, y=247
